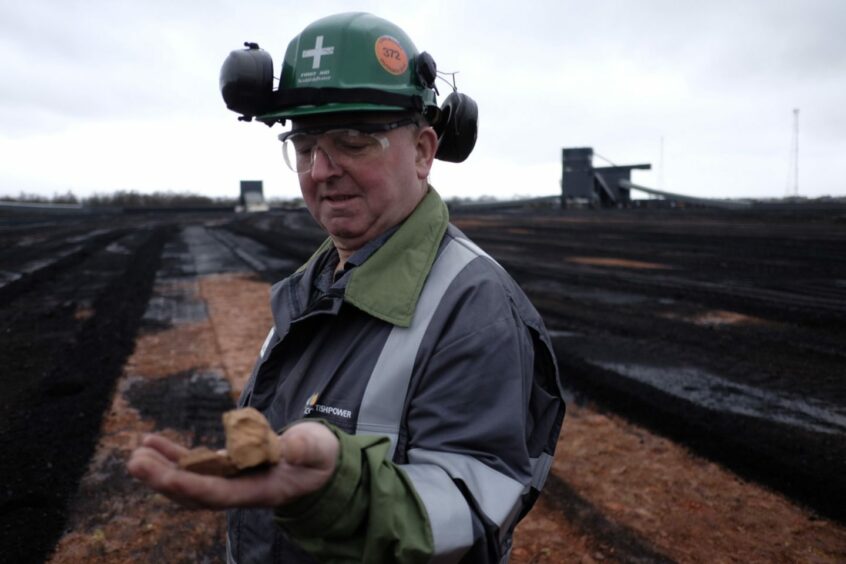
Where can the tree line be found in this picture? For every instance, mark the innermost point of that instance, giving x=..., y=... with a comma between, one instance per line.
x=125, y=199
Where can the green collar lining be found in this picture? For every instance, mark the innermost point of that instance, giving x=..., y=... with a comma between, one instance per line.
x=388, y=285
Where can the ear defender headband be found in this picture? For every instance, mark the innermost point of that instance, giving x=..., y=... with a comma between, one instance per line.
x=246, y=84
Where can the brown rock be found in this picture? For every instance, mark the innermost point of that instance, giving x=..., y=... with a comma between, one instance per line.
x=249, y=439
x=250, y=442
x=206, y=461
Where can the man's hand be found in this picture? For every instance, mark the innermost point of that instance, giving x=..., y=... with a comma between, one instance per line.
x=309, y=457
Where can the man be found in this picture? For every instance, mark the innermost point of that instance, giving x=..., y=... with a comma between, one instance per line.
x=412, y=383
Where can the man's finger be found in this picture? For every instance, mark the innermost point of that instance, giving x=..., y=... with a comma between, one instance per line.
x=187, y=488
x=169, y=449
x=146, y=462
x=310, y=451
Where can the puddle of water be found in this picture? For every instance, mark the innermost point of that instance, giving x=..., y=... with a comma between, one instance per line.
x=717, y=393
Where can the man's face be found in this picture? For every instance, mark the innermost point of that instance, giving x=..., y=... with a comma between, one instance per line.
x=356, y=200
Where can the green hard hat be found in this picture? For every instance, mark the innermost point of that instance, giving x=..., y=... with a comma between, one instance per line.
x=352, y=62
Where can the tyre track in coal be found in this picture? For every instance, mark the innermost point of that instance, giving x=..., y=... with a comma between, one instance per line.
x=66, y=334
x=204, y=322
x=608, y=323
x=717, y=268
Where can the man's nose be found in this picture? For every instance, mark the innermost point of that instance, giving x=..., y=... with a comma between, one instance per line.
x=323, y=166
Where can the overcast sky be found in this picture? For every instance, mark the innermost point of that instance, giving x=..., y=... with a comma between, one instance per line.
x=97, y=95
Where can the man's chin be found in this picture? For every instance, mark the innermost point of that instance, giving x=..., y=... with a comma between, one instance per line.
x=346, y=235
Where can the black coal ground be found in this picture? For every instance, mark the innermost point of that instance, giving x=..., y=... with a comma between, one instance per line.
x=60, y=325
x=73, y=294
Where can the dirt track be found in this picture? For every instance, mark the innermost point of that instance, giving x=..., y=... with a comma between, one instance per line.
x=722, y=332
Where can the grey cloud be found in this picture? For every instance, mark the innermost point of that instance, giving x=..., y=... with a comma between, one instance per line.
x=98, y=60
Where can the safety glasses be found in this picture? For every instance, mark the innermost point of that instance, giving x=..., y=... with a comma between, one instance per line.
x=345, y=145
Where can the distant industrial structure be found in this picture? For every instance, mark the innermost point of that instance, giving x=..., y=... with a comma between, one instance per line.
x=582, y=183
x=252, y=197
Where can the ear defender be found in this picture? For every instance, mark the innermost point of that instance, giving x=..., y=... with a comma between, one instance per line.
x=457, y=126
x=456, y=121
x=246, y=81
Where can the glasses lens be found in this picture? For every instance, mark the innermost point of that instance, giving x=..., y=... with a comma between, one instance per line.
x=344, y=147
x=353, y=144
x=297, y=151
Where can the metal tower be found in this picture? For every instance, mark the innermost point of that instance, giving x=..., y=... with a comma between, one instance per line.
x=793, y=171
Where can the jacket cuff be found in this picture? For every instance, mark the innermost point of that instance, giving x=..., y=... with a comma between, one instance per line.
x=314, y=513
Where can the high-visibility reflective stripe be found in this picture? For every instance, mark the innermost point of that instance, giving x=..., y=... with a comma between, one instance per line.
x=381, y=406
x=478, y=250
x=266, y=342
x=432, y=473
x=497, y=495
x=229, y=558
x=449, y=515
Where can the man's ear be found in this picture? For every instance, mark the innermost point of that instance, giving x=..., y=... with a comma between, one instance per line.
x=427, y=146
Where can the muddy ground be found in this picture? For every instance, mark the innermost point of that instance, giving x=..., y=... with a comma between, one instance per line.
x=704, y=351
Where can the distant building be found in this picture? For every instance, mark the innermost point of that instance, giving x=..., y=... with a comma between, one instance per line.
x=582, y=183
x=252, y=197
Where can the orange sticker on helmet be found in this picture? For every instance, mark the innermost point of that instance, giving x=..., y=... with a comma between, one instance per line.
x=391, y=55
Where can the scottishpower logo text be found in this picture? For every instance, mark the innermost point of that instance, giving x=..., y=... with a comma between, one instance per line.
x=328, y=410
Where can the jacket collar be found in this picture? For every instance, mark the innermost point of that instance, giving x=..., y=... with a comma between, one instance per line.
x=388, y=284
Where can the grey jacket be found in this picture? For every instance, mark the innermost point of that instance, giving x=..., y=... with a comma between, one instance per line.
x=426, y=341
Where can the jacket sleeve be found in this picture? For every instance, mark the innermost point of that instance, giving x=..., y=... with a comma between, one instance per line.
x=368, y=512
x=480, y=436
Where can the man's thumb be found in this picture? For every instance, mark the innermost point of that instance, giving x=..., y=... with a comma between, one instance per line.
x=309, y=444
